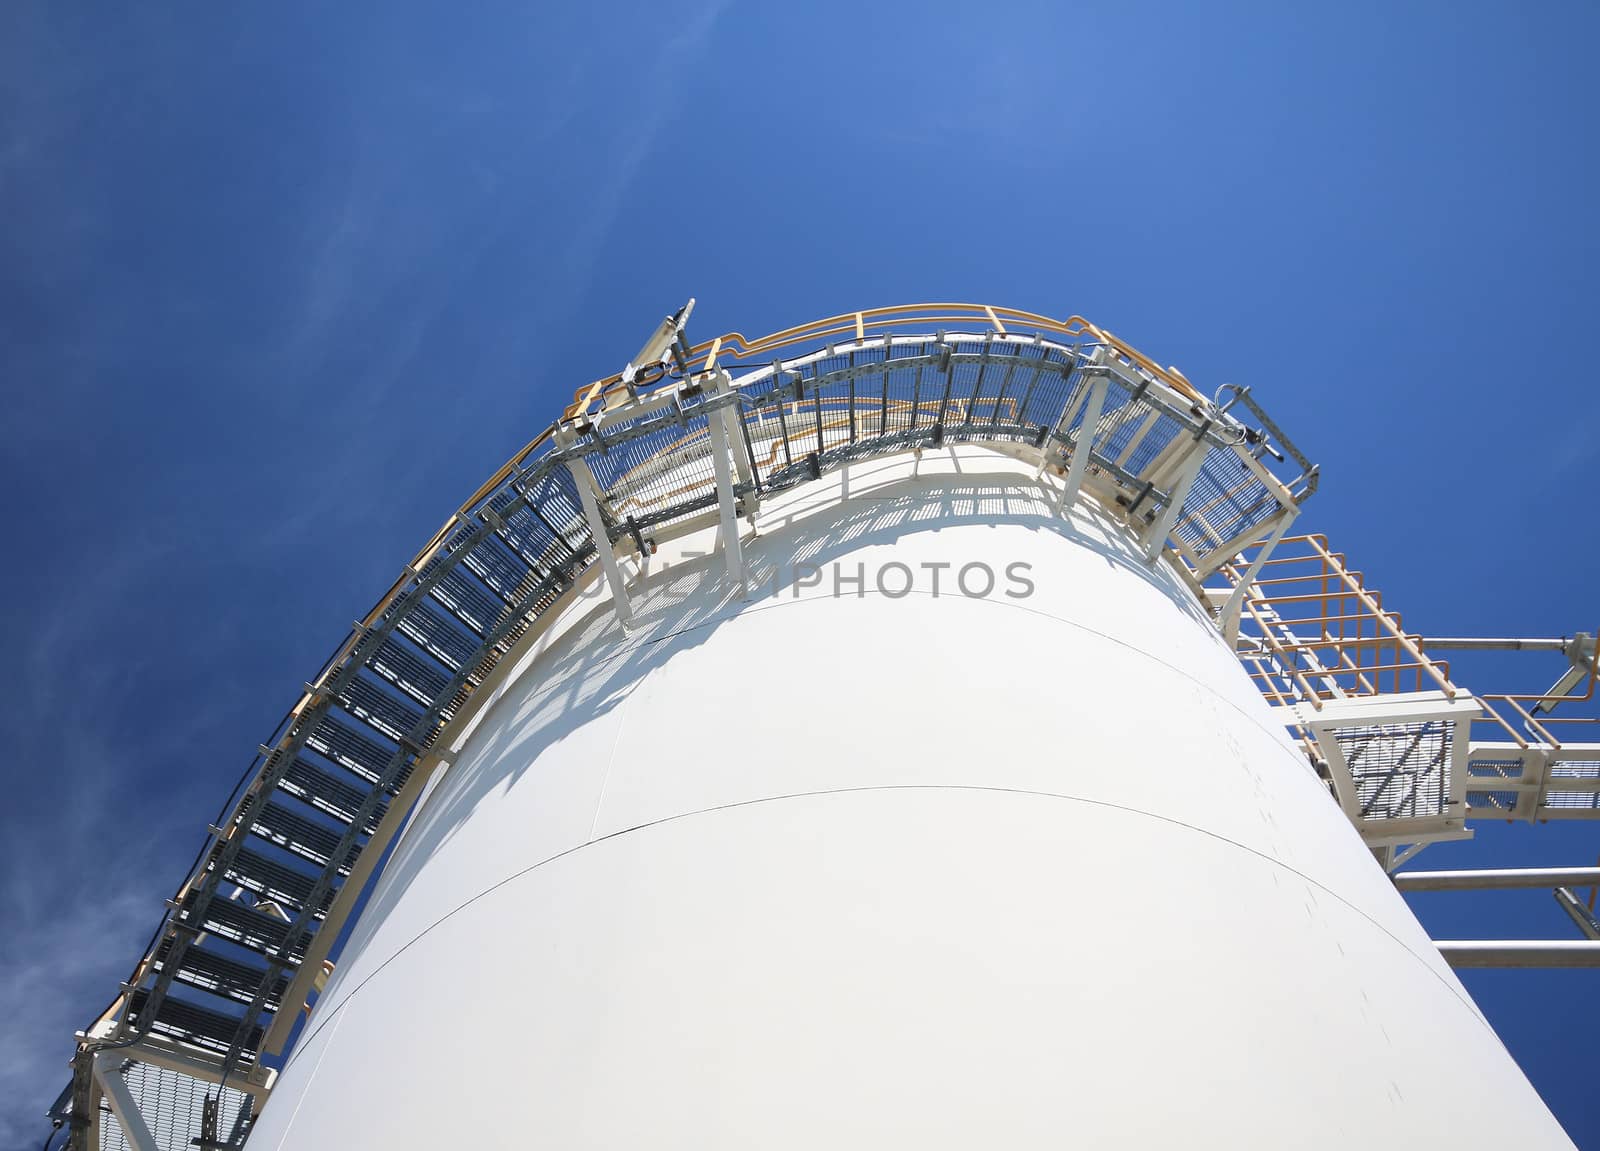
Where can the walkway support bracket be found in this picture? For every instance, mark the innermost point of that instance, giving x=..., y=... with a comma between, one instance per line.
x=1228, y=617
x=583, y=479
x=1083, y=443
x=717, y=386
x=1189, y=471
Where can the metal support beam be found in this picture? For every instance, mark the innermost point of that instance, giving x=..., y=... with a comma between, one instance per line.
x=207, y=1068
x=732, y=553
x=1395, y=859
x=1579, y=914
x=1498, y=878
x=1083, y=445
x=1156, y=535
x=583, y=480
x=1228, y=617
x=1139, y=433
x=1520, y=952
x=741, y=460
x=83, y=1115
x=1474, y=643
x=123, y=1105
x=1047, y=445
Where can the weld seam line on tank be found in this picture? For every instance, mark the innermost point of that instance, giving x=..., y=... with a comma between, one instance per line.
x=1273, y=731
x=724, y=615
x=620, y=832
x=616, y=741
x=1122, y=643
x=301, y=1102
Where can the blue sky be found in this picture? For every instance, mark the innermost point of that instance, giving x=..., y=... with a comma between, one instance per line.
x=279, y=285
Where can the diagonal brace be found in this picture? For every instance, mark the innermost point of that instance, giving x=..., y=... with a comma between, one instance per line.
x=1083, y=446
x=583, y=479
x=727, y=508
x=123, y=1105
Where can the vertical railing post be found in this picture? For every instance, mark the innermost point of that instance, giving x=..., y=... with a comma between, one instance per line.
x=728, y=515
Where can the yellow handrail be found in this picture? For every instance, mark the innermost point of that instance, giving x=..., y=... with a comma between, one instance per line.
x=855, y=325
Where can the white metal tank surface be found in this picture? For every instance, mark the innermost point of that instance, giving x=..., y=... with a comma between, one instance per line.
x=1017, y=859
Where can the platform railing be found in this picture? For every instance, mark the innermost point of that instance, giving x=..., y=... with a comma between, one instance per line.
x=1315, y=631
x=734, y=346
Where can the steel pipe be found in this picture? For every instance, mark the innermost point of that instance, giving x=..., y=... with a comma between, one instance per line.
x=1476, y=643
x=1520, y=952
x=1502, y=878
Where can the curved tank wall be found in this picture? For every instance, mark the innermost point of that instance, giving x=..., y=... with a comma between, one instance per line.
x=842, y=866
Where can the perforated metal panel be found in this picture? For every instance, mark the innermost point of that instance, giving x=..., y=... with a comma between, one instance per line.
x=172, y=1104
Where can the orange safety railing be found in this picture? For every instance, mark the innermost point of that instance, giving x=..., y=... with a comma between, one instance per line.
x=1319, y=632
x=856, y=325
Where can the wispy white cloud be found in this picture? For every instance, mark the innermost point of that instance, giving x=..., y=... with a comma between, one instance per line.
x=54, y=963
x=360, y=255
x=82, y=887
x=86, y=857
x=657, y=101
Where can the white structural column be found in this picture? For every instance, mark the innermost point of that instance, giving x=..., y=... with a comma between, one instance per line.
x=1228, y=616
x=1188, y=472
x=732, y=553
x=732, y=428
x=1083, y=444
x=583, y=480
x=869, y=861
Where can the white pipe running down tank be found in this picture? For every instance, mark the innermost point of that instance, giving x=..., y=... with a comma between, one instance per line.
x=1021, y=865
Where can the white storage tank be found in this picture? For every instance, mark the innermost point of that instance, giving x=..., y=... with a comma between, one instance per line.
x=959, y=824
